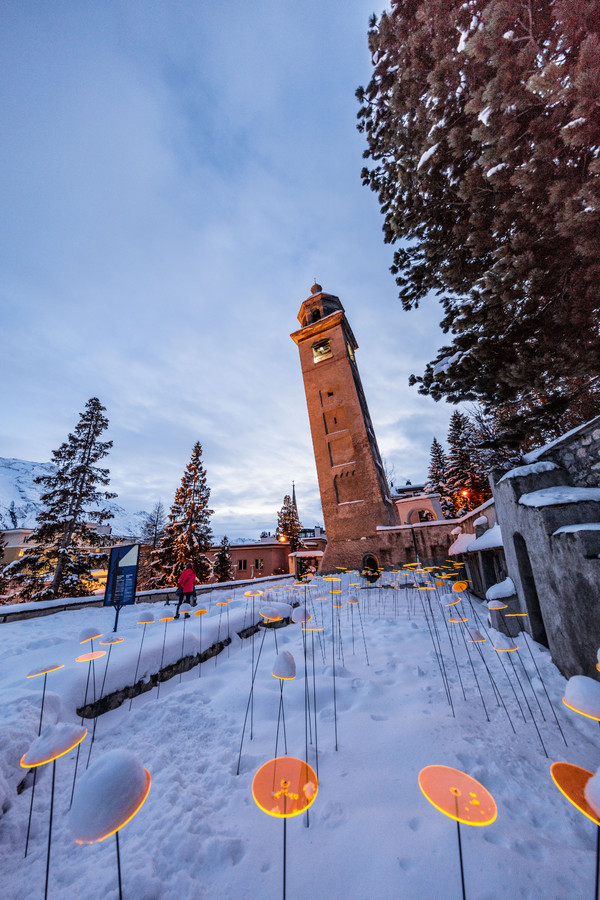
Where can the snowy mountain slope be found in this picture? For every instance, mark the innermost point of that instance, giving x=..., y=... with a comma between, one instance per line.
x=20, y=498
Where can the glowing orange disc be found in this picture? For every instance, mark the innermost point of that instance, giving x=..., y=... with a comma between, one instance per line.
x=454, y=602
x=112, y=640
x=252, y=593
x=331, y=578
x=109, y=795
x=166, y=619
x=44, y=670
x=580, y=711
x=571, y=781
x=514, y=615
x=88, y=657
x=221, y=603
x=456, y=621
x=54, y=741
x=457, y=795
x=200, y=612
x=460, y=586
x=284, y=787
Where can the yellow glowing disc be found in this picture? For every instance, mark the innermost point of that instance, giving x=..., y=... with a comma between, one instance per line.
x=252, y=593
x=580, y=711
x=284, y=787
x=457, y=795
x=114, y=640
x=460, y=585
x=166, y=619
x=571, y=781
x=45, y=669
x=54, y=741
x=455, y=621
x=221, y=603
x=200, y=612
x=87, y=657
x=454, y=602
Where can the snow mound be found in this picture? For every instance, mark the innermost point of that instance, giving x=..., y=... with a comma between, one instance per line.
x=504, y=588
x=579, y=526
x=284, y=665
x=583, y=694
x=592, y=792
x=555, y=496
x=107, y=795
x=532, y=469
x=53, y=742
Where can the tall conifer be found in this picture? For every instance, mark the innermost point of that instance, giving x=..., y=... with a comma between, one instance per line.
x=467, y=483
x=60, y=562
x=188, y=535
x=222, y=568
x=483, y=129
x=437, y=480
x=288, y=524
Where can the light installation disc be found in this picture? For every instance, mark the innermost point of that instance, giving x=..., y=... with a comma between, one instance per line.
x=285, y=787
x=571, y=781
x=457, y=795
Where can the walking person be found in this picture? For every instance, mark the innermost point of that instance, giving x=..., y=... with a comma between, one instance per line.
x=186, y=582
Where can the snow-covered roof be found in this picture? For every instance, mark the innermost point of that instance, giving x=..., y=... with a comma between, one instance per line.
x=489, y=540
x=555, y=496
x=460, y=545
x=306, y=554
x=503, y=589
x=531, y=469
x=468, y=543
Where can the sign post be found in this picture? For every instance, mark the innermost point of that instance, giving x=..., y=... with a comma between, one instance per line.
x=122, y=577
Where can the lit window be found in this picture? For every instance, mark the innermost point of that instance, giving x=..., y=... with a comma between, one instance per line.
x=321, y=350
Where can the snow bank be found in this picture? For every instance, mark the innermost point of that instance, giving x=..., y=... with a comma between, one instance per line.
x=561, y=494
x=578, y=526
x=489, y=540
x=504, y=588
x=583, y=694
x=531, y=469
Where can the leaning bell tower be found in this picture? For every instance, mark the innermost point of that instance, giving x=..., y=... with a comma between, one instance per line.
x=354, y=492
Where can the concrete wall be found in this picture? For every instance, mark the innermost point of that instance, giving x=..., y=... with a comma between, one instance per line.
x=557, y=572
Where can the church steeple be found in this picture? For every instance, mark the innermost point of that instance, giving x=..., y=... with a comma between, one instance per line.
x=354, y=491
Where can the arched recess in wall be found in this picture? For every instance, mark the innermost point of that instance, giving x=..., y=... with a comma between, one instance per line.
x=532, y=601
x=419, y=514
x=370, y=567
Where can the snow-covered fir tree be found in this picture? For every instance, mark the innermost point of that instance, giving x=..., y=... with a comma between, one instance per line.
x=3, y=578
x=61, y=558
x=465, y=478
x=288, y=524
x=437, y=480
x=188, y=535
x=482, y=131
x=222, y=568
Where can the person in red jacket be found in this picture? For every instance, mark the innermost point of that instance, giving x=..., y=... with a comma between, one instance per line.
x=186, y=582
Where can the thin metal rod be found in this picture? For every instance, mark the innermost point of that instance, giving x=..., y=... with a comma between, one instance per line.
x=50, y=829
x=460, y=856
x=119, y=865
x=138, y=662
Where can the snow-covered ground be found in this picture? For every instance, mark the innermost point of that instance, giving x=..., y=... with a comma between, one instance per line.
x=372, y=833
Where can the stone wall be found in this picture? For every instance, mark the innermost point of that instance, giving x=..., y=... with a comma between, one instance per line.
x=549, y=511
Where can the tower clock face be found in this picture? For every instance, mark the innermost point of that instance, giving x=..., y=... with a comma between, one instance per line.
x=350, y=351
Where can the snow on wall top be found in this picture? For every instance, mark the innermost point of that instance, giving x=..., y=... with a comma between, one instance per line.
x=533, y=455
x=489, y=540
x=579, y=526
x=555, y=496
x=503, y=589
x=531, y=469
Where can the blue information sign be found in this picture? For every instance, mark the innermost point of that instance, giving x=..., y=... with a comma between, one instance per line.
x=122, y=576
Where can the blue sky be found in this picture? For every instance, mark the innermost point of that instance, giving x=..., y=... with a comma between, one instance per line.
x=174, y=176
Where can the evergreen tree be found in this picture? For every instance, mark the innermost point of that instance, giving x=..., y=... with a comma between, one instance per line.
x=437, y=481
x=3, y=575
x=483, y=127
x=153, y=528
x=222, y=568
x=187, y=535
x=466, y=481
x=71, y=502
x=288, y=524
